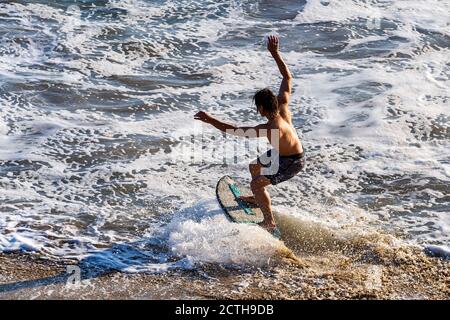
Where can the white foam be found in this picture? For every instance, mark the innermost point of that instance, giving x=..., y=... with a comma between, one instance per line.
x=217, y=240
x=18, y=242
x=427, y=15
x=325, y=10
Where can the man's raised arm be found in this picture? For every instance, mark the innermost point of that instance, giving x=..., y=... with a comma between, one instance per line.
x=286, y=84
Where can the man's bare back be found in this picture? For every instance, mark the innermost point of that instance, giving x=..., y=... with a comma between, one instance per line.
x=288, y=142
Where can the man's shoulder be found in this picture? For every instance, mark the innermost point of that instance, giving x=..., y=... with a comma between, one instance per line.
x=282, y=122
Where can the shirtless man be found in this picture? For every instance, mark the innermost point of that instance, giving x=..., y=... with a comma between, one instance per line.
x=287, y=156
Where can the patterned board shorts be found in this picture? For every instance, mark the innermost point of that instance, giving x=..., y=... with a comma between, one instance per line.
x=278, y=168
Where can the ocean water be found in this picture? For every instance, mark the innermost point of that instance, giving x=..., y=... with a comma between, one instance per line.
x=101, y=160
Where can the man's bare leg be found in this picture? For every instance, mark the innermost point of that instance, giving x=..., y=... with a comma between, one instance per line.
x=255, y=171
x=262, y=198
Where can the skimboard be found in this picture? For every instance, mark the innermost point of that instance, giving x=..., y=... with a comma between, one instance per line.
x=228, y=191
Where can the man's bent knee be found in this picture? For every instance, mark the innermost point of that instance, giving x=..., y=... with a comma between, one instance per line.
x=256, y=186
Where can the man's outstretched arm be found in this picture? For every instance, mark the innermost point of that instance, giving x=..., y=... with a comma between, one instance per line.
x=249, y=132
x=286, y=84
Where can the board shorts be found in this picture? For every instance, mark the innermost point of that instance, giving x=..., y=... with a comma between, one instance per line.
x=278, y=168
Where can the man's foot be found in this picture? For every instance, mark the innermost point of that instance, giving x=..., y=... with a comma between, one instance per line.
x=249, y=199
x=270, y=227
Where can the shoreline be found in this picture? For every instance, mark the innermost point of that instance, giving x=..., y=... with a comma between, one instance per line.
x=331, y=276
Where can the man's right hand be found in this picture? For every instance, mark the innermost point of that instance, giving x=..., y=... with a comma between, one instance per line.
x=202, y=116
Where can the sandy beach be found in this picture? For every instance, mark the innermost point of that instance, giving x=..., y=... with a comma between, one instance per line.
x=407, y=274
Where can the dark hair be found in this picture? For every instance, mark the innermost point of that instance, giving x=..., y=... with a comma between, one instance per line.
x=267, y=100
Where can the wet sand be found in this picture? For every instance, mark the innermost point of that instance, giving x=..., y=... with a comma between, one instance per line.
x=404, y=273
